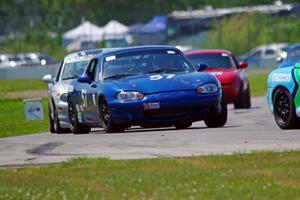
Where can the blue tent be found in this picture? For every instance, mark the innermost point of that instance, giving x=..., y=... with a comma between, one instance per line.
x=157, y=24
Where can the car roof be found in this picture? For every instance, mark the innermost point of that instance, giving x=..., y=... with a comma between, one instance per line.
x=107, y=52
x=209, y=51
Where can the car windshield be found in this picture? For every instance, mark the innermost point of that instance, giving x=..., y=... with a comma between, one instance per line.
x=218, y=60
x=294, y=54
x=144, y=62
x=74, y=69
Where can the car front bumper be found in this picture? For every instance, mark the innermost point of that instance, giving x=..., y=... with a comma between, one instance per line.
x=171, y=108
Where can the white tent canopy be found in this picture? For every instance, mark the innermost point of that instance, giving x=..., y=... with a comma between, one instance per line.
x=85, y=31
x=114, y=30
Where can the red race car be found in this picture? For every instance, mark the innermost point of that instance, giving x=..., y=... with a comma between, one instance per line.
x=230, y=73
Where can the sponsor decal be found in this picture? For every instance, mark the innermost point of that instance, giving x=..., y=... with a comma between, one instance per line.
x=281, y=77
x=79, y=117
x=110, y=58
x=224, y=54
x=79, y=58
x=151, y=106
x=171, y=52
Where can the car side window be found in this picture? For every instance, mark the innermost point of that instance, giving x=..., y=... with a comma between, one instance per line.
x=256, y=55
x=91, y=71
x=269, y=52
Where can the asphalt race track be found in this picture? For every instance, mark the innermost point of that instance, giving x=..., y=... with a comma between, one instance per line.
x=245, y=131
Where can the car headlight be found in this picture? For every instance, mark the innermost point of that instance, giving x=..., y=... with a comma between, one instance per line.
x=64, y=97
x=129, y=96
x=208, y=88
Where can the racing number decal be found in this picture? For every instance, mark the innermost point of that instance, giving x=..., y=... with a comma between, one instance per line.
x=84, y=98
x=158, y=77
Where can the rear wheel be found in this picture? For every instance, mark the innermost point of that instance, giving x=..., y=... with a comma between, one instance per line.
x=51, y=121
x=284, y=109
x=244, y=98
x=54, y=123
x=109, y=125
x=218, y=120
x=76, y=126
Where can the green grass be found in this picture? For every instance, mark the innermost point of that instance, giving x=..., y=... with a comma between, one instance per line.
x=13, y=121
x=21, y=85
x=258, y=84
x=263, y=175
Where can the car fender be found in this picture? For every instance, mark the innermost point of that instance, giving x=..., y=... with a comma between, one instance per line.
x=282, y=77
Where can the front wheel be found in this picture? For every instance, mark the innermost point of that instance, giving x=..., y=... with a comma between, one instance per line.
x=284, y=109
x=109, y=125
x=76, y=126
x=218, y=120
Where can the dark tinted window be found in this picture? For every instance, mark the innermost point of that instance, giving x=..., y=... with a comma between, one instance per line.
x=270, y=52
x=294, y=54
x=218, y=60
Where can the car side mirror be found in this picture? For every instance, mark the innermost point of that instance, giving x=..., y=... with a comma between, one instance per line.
x=243, y=65
x=47, y=78
x=84, y=79
x=201, y=67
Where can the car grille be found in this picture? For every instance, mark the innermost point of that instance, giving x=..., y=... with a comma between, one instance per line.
x=171, y=113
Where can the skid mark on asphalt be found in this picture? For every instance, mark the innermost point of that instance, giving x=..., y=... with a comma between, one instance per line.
x=44, y=148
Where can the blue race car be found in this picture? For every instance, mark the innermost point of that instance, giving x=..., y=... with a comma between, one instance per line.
x=292, y=56
x=148, y=86
x=284, y=96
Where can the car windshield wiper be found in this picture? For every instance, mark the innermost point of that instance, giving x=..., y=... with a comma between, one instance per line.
x=120, y=75
x=70, y=77
x=166, y=70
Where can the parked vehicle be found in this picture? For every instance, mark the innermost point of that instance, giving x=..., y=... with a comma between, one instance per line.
x=292, y=56
x=231, y=74
x=265, y=55
x=149, y=86
x=71, y=68
x=4, y=62
x=284, y=96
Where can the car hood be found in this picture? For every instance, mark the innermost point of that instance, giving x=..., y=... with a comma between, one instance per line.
x=225, y=76
x=155, y=83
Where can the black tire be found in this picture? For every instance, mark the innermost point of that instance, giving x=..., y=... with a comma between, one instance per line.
x=109, y=125
x=244, y=98
x=51, y=121
x=76, y=126
x=183, y=125
x=218, y=120
x=54, y=122
x=284, y=109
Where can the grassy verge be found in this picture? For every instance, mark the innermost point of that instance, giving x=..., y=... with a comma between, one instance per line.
x=258, y=84
x=238, y=176
x=13, y=121
x=21, y=85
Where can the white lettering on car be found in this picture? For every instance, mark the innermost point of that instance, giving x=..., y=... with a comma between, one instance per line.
x=281, y=77
x=158, y=77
